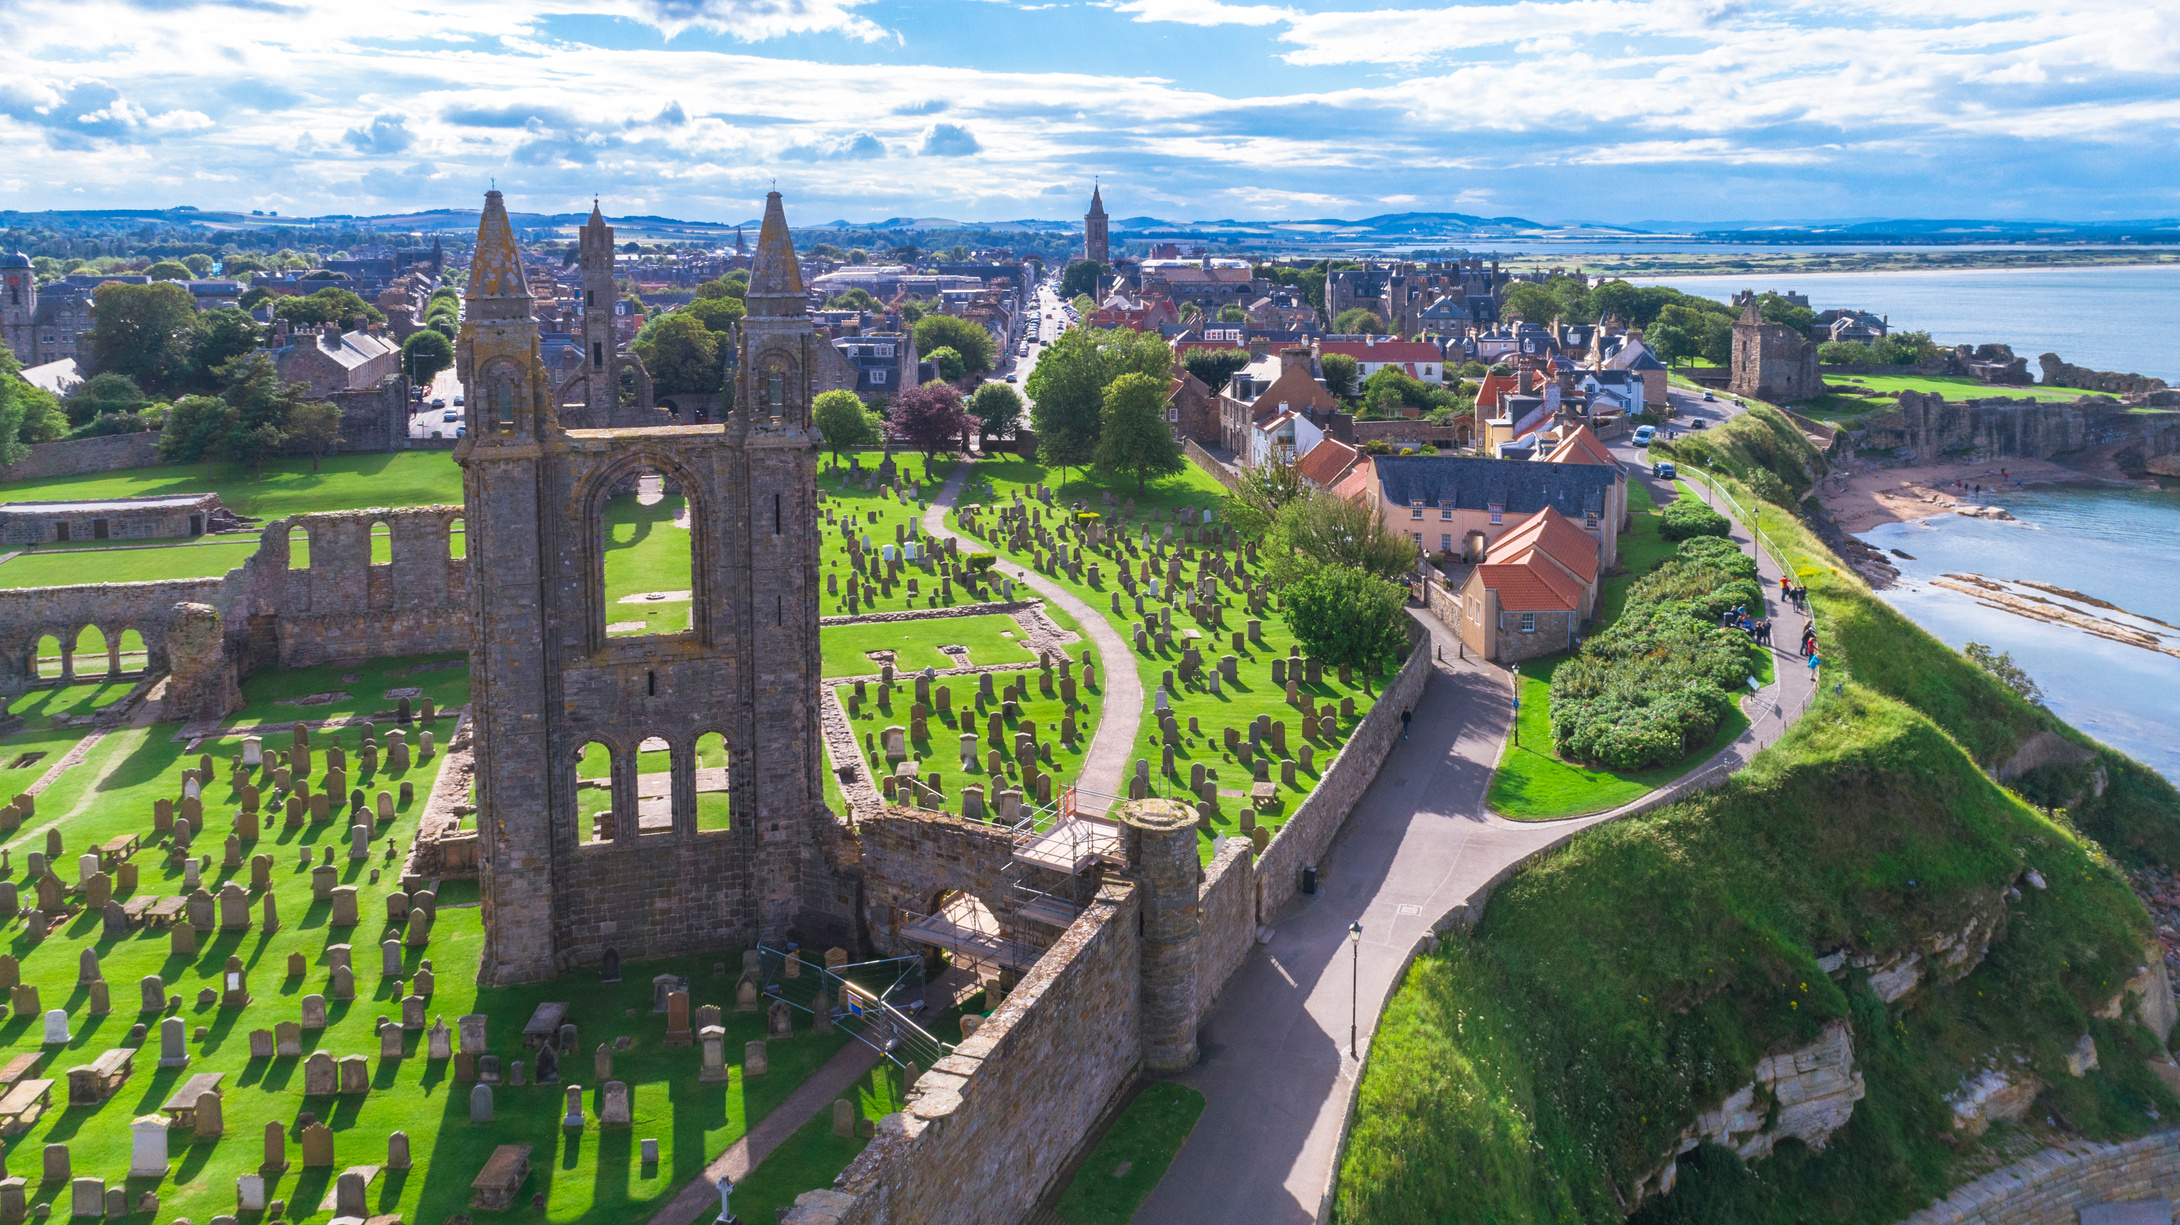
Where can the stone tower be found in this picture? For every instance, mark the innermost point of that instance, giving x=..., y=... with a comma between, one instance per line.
x=1772, y=361
x=1094, y=243
x=571, y=866
x=591, y=397
x=19, y=307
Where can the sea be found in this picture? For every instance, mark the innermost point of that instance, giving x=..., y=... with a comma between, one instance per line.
x=2119, y=544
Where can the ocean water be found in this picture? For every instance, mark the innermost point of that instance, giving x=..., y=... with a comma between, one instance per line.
x=2119, y=545
x=2102, y=318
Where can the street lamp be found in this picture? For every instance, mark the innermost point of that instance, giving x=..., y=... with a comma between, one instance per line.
x=1354, y=998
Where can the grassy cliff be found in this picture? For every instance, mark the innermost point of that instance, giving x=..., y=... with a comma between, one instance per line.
x=1545, y=1065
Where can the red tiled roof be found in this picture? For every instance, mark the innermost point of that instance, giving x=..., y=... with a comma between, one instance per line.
x=1582, y=447
x=1529, y=587
x=1555, y=535
x=1326, y=463
x=1489, y=391
x=1394, y=351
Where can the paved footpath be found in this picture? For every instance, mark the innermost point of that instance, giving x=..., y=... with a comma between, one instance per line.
x=1107, y=764
x=1276, y=1071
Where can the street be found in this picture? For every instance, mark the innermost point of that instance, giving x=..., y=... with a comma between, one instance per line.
x=1051, y=319
x=426, y=421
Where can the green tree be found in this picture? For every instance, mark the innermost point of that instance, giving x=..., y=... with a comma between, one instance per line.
x=904, y=255
x=718, y=315
x=263, y=405
x=222, y=335
x=1068, y=387
x=1233, y=314
x=826, y=250
x=1533, y=302
x=911, y=314
x=200, y=265
x=721, y=288
x=1133, y=438
x=169, y=270
x=243, y=265
x=857, y=255
x=196, y=429
x=947, y=362
x=316, y=426
x=1318, y=530
x=680, y=352
x=1357, y=320
x=1776, y=309
x=857, y=299
x=143, y=331
x=1213, y=367
x=1256, y=498
x=998, y=407
x=329, y=305
x=101, y=394
x=2010, y=674
x=843, y=422
x=424, y=354
x=1081, y=278
x=1344, y=615
x=951, y=332
x=1341, y=372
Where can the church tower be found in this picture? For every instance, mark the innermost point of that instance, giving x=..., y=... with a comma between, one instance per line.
x=593, y=838
x=19, y=307
x=591, y=397
x=1094, y=244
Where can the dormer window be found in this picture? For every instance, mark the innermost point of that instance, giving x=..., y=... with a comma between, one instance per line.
x=1498, y=512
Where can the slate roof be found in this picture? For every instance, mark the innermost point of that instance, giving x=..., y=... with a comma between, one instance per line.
x=1472, y=483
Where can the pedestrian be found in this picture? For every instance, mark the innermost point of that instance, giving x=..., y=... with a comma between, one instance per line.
x=1783, y=586
x=1814, y=660
x=1405, y=715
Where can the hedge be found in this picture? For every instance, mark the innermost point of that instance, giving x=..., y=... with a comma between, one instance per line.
x=1685, y=518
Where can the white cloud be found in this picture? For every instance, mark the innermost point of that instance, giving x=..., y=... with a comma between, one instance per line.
x=949, y=140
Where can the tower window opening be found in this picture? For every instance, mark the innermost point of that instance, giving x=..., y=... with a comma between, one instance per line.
x=651, y=683
x=775, y=514
x=597, y=355
x=776, y=392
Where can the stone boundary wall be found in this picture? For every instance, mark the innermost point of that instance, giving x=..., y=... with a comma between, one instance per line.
x=1210, y=463
x=1303, y=840
x=988, y=1127
x=1226, y=906
x=78, y=456
x=912, y=855
x=2052, y=1187
x=30, y=613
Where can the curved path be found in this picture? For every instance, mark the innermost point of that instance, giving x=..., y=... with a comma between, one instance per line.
x=1276, y=1070
x=1105, y=767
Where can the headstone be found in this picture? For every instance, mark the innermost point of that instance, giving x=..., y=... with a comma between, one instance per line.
x=389, y=1040
x=210, y=1124
x=320, y=1075
x=87, y=1197
x=355, y=1074
x=287, y=1040
x=780, y=1020
x=471, y=1029
x=480, y=1104
x=56, y=1163
x=844, y=1117
x=439, y=1044
x=343, y=983
x=572, y=1117
x=397, y=1146
x=614, y=1109
x=313, y=1013
x=548, y=1066
x=148, y=1147
x=753, y=1059
x=250, y=1193
x=317, y=1146
x=56, y=1028
x=276, y=1147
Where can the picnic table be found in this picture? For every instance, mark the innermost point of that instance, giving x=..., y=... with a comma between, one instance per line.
x=165, y=910
x=182, y=1107
x=118, y=848
x=501, y=1180
x=20, y=1109
x=92, y=1083
x=544, y=1024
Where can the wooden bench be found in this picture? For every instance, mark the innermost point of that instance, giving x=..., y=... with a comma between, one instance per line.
x=20, y=1109
x=118, y=848
x=502, y=1178
x=93, y=1083
x=181, y=1108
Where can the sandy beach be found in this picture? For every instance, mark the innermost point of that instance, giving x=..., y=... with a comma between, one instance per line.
x=1863, y=499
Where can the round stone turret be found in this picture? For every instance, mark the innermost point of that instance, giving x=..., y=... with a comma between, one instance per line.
x=1160, y=838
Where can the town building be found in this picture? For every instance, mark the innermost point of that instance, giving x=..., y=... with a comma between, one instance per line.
x=1456, y=506
x=1531, y=598
x=1772, y=361
x=1418, y=359
x=1275, y=408
x=884, y=363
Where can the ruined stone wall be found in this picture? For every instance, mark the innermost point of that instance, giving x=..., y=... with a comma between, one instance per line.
x=75, y=457
x=374, y=418
x=912, y=856
x=1303, y=840
x=342, y=606
x=2059, y=373
x=28, y=614
x=2053, y=1187
x=990, y=1125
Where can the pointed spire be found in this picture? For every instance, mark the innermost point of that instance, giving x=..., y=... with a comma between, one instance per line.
x=495, y=271
x=1097, y=201
x=596, y=217
x=775, y=276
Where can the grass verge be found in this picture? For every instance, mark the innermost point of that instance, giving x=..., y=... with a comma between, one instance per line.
x=1132, y=1156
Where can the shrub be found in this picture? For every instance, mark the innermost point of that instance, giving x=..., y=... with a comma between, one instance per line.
x=981, y=562
x=1685, y=517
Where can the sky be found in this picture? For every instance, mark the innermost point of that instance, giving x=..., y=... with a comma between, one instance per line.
x=1615, y=111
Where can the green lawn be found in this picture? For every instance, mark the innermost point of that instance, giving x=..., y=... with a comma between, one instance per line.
x=593, y=1174
x=813, y=1157
x=289, y=487
x=1132, y=1155
x=646, y=554
x=994, y=483
x=991, y=639
x=1641, y=549
x=1532, y=783
x=51, y=568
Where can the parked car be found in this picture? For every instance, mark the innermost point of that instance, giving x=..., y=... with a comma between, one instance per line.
x=1663, y=471
x=457, y=401
x=1644, y=433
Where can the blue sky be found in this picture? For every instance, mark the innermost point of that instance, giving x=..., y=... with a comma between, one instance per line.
x=1602, y=110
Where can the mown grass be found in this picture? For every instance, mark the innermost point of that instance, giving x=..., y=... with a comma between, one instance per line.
x=995, y=481
x=1125, y=1166
x=1533, y=783
x=288, y=487
x=813, y=1157
x=994, y=638
x=592, y=1174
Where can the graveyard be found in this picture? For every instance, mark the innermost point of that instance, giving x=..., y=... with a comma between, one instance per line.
x=233, y=971
x=1252, y=724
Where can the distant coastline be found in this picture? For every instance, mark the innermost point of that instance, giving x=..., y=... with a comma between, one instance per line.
x=1817, y=263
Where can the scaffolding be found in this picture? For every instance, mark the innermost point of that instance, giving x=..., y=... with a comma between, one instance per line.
x=874, y=1002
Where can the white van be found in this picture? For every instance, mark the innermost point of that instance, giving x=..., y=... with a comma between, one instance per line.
x=1644, y=433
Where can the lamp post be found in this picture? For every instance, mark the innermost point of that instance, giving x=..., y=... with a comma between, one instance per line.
x=1354, y=998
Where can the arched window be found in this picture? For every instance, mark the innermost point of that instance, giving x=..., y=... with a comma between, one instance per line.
x=47, y=660
x=89, y=656
x=382, y=543
x=596, y=819
x=711, y=782
x=597, y=355
x=776, y=391
x=298, y=548
x=134, y=656
x=503, y=404
x=654, y=788
x=648, y=559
